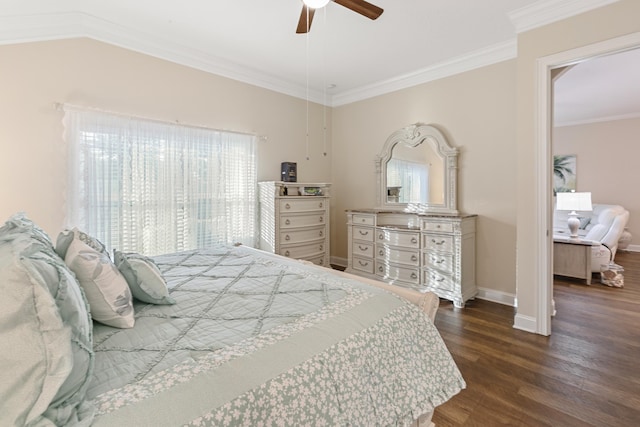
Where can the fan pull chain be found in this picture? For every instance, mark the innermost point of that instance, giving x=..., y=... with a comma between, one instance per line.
x=307, y=78
x=324, y=87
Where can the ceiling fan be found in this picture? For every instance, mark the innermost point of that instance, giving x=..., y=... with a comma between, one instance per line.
x=359, y=6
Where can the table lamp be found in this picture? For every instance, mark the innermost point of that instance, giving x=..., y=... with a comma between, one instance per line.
x=573, y=202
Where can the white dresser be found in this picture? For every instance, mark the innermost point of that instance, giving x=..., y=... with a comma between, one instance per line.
x=421, y=251
x=294, y=220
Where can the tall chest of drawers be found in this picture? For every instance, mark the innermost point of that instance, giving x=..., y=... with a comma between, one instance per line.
x=422, y=252
x=294, y=220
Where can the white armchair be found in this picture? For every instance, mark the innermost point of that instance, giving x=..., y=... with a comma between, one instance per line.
x=604, y=224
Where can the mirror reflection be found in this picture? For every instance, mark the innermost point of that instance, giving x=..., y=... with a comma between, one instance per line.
x=415, y=174
x=416, y=171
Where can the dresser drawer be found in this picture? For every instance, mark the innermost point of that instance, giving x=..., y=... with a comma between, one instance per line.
x=302, y=235
x=362, y=233
x=439, y=261
x=407, y=239
x=437, y=226
x=392, y=272
x=302, y=220
x=363, y=264
x=318, y=260
x=437, y=280
x=310, y=203
x=303, y=251
x=362, y=249
x=438, y=242
x=363, y=219
x=399, y=256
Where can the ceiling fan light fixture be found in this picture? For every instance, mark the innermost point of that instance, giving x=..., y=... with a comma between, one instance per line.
x=316, y=4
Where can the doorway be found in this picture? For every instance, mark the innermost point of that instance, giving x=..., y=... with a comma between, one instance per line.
x=544, y=161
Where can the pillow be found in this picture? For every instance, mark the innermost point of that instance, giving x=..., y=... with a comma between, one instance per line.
x=66, y=237
x=46, y=334
x=584, y=221
x=19, y=224
x=106, y=289
x=144, y=278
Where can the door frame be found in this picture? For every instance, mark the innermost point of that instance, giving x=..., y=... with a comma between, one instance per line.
x=543, y=221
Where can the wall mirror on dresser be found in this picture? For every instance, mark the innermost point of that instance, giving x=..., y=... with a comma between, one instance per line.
x=415, y=237
x=417, y=171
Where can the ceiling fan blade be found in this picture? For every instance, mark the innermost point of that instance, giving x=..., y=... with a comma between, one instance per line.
x=362, y=7
x=303, y=26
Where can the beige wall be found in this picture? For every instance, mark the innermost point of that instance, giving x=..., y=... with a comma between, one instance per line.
x=475, y=110
x=611, y=21
x=34, y=76
x=607, y=155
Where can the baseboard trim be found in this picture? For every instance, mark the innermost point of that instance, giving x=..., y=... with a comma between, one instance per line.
x=631, y=248
x=525, y=323
x=339, y=261
x=497, y=296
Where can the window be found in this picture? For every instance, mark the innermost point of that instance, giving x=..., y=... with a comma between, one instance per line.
x=151, y=187
x=412, y=179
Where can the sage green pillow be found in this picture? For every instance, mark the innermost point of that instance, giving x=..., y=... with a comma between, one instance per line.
x=46, y=334
x=144, y=278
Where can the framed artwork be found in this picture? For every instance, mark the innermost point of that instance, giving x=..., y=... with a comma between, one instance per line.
x=564, y=173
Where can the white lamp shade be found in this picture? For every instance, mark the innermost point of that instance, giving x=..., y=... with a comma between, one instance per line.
x=316, y=4
x=574, y=201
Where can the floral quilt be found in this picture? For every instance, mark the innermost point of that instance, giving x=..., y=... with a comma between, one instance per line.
x=257, y=340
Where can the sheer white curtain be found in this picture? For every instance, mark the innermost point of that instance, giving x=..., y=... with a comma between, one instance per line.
x=413, y=178
x=152, y=187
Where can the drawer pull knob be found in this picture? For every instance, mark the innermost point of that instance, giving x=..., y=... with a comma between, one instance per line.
x=287, y=222
x=440, y=261
x=321, y=233
x=286, y=253
x=380, y=269
x=287, y=237
x=363, y=264
x=321, y=219
x=438, y=226
x=321, y=247
x=287, y=206
x=381, y=236
x=414, y=240
x=364, y=220
x=321, y=262
x=363, y=248
x=414, y=276
x=381, y=252
x=414, y=258
x=320, y=205
x=441, y=242
x=363, y=233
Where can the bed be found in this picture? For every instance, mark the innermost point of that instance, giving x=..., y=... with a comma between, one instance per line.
x=245, y=338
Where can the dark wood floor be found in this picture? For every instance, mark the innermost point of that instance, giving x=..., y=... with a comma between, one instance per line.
x=587, y=373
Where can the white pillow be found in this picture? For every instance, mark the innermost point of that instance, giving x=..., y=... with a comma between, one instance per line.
x=109, y=297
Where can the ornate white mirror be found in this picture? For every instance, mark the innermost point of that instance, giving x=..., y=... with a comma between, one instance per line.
x=417, y=171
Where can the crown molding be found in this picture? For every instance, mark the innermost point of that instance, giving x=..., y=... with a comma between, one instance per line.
x=477, y=59
x=34, y=28
x=548, y=11
x=42, y=27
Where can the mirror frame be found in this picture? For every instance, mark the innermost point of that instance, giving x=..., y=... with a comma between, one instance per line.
x=414, y=135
